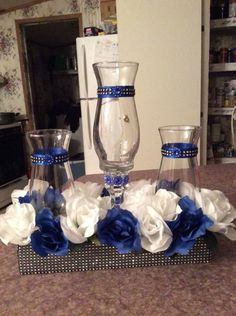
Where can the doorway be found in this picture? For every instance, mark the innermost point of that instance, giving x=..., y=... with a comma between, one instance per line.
x=47, y=49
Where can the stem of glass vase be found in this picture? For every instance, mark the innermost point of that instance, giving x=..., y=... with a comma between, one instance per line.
x=115, y=183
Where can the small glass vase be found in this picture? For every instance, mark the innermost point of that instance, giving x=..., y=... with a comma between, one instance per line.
x=51, y=177
x=179, y=167
x=116, y=126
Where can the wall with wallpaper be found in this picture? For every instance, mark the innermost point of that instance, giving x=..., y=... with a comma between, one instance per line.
x=11, y=95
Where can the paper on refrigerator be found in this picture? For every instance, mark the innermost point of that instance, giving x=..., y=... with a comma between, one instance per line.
x=106, y=50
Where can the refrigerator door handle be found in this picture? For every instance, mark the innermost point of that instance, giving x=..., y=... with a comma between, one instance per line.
x=88, y=126
x=86, y=94
x=85, y=71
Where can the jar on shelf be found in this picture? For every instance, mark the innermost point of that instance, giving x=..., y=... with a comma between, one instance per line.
x=233, y=54
x=232, y=8
x=230, y=57
x=223, y=55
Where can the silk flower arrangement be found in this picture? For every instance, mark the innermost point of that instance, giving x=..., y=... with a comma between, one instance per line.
x=149, y=220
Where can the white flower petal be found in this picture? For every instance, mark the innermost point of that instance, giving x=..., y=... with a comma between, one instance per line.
x=82, y=217
x=186, y=188
x=40, y=186
x=218, y=208
x=166, y=203
x=17, y=224
x=71, y=231
x=89, y=189
x=155, y=234
x=16, y=194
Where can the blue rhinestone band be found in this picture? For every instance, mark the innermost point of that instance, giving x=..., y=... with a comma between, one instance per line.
x=115, y=92
x=179, y=150
x=51, y=156
x=116, y=180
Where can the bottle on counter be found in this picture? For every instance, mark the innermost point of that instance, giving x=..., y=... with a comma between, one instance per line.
x=223, y=9
x=232, y=8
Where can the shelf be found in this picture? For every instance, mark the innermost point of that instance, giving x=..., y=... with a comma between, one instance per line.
x=225, y=160
x=65, y=72
x=220, y=111
x=223, y=24
x=222, y=67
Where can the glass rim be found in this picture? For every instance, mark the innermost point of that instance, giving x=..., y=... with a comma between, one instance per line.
x=48, y=131
x=115, y=64
x=175, y=128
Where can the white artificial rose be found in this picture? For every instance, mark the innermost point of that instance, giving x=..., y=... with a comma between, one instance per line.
x=141, y=185
x=90, y=189
x=17, y=224
x=166, y=204
x=155, y=234
x=39, y=186
x=82, y=217
x=218, y=208
x=186, y=188
x=16, y=194
x=104, y=206
x=139, y=193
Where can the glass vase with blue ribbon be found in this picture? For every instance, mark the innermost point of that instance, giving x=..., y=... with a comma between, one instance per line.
x=179, y=167
x=116, y=126
x=51, y=179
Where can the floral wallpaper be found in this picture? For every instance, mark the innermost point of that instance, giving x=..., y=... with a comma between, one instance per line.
x=11, y=95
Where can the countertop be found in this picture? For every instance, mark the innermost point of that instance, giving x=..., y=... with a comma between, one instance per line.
x=197, y=289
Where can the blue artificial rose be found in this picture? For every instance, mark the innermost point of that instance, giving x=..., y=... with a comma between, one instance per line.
x=49, y=238
x=190, y=224
x=37, y=200
x=120, y=229
x=169, y=185
x=25, y=199
x=54, y=199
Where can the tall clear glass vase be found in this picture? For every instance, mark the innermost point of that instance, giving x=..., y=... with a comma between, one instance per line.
x=51, y=177
x=116, y=126
x=179, y=167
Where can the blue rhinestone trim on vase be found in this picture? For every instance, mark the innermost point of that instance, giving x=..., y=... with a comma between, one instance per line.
x=179, y=150
x=51, y=156
x=116, y=180
x=115, y=92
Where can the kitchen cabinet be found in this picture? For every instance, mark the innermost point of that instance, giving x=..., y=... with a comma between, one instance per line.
x=221, y=147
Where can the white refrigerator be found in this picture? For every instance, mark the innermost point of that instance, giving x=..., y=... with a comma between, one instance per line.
x=89, y=51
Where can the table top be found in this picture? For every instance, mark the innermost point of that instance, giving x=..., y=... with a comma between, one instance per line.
x=194, y=289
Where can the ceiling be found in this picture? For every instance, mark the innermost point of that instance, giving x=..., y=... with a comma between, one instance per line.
x=9, y=5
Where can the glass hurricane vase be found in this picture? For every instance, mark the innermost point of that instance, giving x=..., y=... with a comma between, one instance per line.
x=51, y=177
x=179, y=166
x=116, y=126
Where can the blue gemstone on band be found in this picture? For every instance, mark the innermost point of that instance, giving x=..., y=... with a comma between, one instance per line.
x=108, y=180
x=179, y=150
x=116, y=180
x=115, y=92
x=49, y=156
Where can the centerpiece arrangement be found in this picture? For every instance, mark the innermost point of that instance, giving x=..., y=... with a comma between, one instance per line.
x=60, y=225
